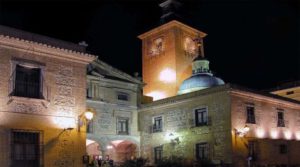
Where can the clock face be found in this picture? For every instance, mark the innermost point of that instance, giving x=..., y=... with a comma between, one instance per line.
x=156, y=46
x=190, y=45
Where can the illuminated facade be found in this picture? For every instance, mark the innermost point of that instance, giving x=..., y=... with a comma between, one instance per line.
x=115, y=98
x=42, y=93
x=289, y=90
x=168, y=52
x=209, y=121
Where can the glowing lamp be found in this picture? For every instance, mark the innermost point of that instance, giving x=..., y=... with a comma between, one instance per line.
x=274, y=134
x=246, y=129
x=260, y=133
x=288, y=135
x=89, y=115
x=167, y=75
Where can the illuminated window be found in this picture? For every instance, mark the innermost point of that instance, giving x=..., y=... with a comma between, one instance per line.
x=158, y=153
x=201, y=117
x=250, y=115
x=122, y=127
x=202, y=151
x=283, y=148
x=157, y=124
x=280, y=119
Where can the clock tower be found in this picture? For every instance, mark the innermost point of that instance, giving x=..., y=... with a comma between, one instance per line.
x=168, y=53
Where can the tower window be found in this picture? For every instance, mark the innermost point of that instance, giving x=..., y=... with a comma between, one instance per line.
x=250, y=115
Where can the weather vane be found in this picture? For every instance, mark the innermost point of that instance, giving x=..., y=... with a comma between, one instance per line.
x=170, y=9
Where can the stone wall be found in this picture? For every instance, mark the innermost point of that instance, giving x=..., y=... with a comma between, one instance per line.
x=265, y=132
x=179, y=119
x=64, y=84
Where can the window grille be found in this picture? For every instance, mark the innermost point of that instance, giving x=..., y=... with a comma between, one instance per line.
x=26, y=148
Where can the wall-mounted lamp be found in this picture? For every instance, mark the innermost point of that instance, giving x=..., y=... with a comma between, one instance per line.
x=69, y=129
x=174, y=140
x=85, y=117
x=242, y=132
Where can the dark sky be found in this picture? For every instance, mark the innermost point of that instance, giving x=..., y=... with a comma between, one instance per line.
x=253, y=43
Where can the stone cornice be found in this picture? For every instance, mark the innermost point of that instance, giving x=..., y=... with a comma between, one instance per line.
x=45, y=50
x=115, y=71
x=266, y=98
x=232, y=89
x=169, y=25
x=185, y=97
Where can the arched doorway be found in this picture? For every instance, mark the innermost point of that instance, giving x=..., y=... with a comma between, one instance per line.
x=93, y=148
x=121, y=150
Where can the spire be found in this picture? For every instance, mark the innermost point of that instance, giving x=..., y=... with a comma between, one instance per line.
x=170, y=9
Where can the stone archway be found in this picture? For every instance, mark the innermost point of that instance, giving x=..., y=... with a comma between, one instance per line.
x=121, y=150
x=93, y=148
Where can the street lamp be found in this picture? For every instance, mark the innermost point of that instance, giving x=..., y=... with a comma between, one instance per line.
x=85, y=117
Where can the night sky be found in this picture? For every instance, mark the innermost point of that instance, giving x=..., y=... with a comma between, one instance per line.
x=253, y=43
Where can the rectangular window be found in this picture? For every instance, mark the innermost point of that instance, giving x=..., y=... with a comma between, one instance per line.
x=250, y=115
x=201, y=116
x=123, y=126
x=289, y=92
x=27, y=82
x=157, y=124
x=26, y=149
x=280, y=119
x=90, y=127
x=158, y=154
x=283, y=149
x=123, y=96
x=202, y=151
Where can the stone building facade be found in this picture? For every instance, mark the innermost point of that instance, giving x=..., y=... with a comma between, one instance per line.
x=115, y=98
x=209, y=125
x=42, y=93
x=208, y=121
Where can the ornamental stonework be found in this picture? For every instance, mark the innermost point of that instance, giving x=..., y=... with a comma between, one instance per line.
x=67, y=81
x=64, y=101
x=28, y=108
x=65, y=91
